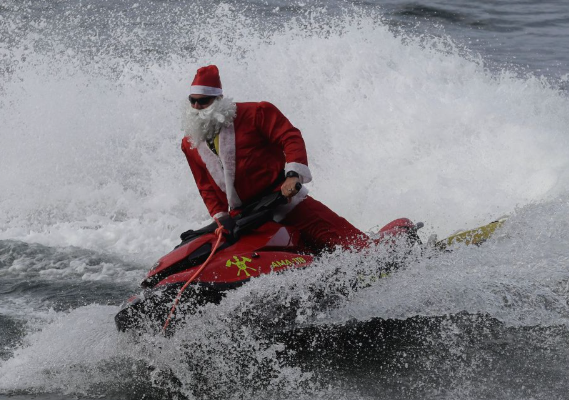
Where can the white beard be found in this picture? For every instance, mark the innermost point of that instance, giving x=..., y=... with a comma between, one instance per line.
x=200, y=125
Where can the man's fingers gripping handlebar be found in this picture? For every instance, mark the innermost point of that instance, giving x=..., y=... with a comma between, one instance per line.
x=290, y=187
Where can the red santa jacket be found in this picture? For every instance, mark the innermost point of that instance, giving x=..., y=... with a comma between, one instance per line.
x=253, y=151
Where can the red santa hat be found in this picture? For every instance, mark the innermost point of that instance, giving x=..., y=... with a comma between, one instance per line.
x=207, y=82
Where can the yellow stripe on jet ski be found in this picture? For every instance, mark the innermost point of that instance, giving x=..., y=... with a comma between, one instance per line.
x=474, y=236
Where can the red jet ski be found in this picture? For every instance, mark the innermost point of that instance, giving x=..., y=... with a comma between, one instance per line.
x=252, y=245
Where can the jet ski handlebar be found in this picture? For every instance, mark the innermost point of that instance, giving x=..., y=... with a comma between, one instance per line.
x=260, y=212
x=250, y=217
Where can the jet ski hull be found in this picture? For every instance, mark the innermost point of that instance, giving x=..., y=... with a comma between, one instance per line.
x=253, y=246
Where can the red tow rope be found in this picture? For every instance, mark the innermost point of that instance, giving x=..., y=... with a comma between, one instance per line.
x=219, y=232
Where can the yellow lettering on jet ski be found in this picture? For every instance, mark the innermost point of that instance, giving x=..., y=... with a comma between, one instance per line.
x=287, y=262
x=241, y=265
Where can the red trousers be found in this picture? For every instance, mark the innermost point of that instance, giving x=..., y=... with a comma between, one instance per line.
x=321, y=228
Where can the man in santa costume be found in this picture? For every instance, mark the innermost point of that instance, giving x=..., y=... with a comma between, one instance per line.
x=239, y=152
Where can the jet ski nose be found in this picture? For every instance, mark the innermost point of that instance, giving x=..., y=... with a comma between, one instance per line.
x=126, y=318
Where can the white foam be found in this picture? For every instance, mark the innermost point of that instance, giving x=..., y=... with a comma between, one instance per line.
x=519, y=277
x=66, y=355
x=394, y=125
x=81, y=353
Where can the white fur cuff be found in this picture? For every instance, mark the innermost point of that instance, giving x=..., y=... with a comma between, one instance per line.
x=220, y=214
x=281, y=211
x=301, y=169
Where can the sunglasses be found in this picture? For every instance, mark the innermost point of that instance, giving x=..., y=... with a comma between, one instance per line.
x=204, y=101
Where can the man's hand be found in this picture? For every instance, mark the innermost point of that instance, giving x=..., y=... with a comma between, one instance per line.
x=288, y=187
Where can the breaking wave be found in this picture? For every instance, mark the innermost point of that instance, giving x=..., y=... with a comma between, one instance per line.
x=395, y=125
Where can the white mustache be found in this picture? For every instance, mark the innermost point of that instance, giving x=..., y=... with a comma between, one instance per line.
x=205, y=124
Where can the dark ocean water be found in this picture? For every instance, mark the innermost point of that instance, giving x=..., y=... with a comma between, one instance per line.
x=450, y=112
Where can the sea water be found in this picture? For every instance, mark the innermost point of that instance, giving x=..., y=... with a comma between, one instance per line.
x=454, y=114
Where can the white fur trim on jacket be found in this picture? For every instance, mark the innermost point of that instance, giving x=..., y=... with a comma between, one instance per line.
x=213, y=165
x=207, y=90
x=281, y=211
x=302, y=170
x=227, y=156
x=220, y=214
